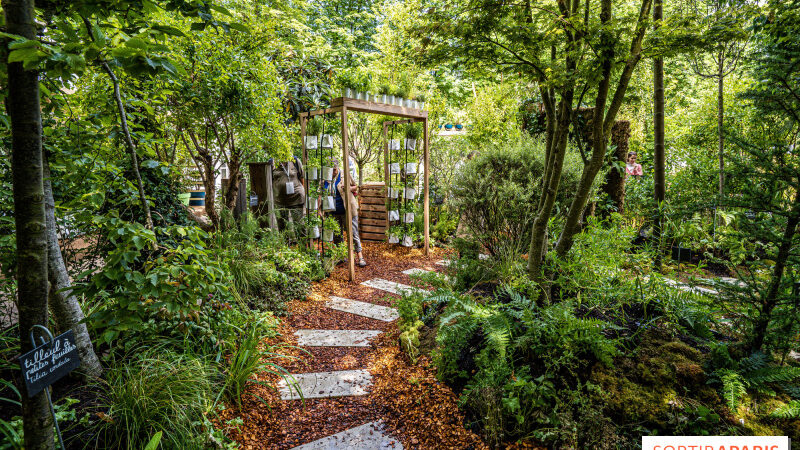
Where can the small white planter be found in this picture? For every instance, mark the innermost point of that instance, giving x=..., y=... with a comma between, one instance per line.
x=327, y=236
x=313, y=232
x=394, y=168
x=410, y=168
x=313, y=173
x=409, y=193
x=394, y=215
x=384, y=98
x=421, y=105
x=394, y=144
x=407, y=241
x=408, y=218
x=394, y=239
x=399, y=101
x=411, y=144
x=390, y=99
x=327, y=141
x=407, y=103
x=393, y=193
x=327, y=173
x=311, y=203
x=328, y=204
x=347, y=92
x=311, y=142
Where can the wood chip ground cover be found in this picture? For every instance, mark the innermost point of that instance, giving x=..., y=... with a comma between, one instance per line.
x=417, y=409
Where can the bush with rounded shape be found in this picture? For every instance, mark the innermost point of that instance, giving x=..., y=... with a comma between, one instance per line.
x=498, y=191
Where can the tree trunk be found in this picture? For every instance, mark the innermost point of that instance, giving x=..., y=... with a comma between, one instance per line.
x=720, y=122
x=129, y=144
x=209, y=182
x=67, y=311
x=599, y=142
x=557, y=153
x=360, y=174
x=22, y=105
x=771, y=299
x=232, y=190
x=659, y=160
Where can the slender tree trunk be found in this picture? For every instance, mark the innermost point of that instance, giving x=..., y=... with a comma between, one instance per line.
x=360, y=174
x=539, y=232
x=129, y=144
x=22, y=105
x=67, y=311
x=771, y=298
x=720, y=122
x=659, y=162
x=599, y=142
x=234, y=177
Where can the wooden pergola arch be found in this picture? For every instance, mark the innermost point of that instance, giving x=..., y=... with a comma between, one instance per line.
x=345, y=105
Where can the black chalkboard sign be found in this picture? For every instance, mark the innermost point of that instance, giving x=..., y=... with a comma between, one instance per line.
x=49, y=362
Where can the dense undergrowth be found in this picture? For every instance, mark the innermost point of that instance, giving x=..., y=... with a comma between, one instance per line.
x=180, y=316
x=615, y=354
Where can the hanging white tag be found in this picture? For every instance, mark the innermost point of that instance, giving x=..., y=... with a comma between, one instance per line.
x=290, y=188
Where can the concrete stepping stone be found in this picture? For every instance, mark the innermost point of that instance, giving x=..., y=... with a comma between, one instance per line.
x=335, y=338
x=369, y=436
x=342, y=383
x=688, y=288
x=415, y=271
x=364, y=309
x=444, y=262
x=393, y=286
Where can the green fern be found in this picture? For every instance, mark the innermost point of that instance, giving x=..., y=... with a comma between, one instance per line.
x=790, y=410
x=733, y=388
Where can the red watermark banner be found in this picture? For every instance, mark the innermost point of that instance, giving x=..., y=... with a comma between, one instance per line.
x=715, y=443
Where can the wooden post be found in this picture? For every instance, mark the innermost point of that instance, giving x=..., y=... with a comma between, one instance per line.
x=303, y=121
x=386, y=174
x=426, y=206
x=347, y=195
x=273, y=224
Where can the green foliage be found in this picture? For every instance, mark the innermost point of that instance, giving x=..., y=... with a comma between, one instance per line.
x=248, y=359
x=157, y=390
x=509, y=357
x=497, y=193
x=145, y=290
x=756, y=373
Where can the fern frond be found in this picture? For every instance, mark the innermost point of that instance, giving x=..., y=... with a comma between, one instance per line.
x=772, y=374
x=733, y=388
x=790, y=410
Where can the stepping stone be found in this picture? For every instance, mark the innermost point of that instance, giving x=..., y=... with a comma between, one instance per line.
x=335, y=338
x=415, y=271
x=369, y=436
x=444, y=262
x=393, y=286
x=364, y=309
x=325, y=384
x=687, y=288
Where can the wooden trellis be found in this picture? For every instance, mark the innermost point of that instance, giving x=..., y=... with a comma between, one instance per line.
x=344, y=105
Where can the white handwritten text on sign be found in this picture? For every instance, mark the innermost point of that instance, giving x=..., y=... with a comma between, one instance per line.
x=47, y=363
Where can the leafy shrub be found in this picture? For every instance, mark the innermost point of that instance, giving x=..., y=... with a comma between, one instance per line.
x=497, y=192
x=142, y=289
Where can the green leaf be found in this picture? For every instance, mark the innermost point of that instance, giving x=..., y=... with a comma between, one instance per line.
x=154, y=442
x=166, y=29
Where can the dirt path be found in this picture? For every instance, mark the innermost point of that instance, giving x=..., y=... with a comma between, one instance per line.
x=404, y=405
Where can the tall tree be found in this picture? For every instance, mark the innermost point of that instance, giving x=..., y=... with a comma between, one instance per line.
x=66, y=309
x=569, y=49
x=659, y=159
x=23, y=107
x=724, y=39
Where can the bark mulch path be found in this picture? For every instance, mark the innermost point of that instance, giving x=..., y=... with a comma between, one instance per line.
x=417, y=410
